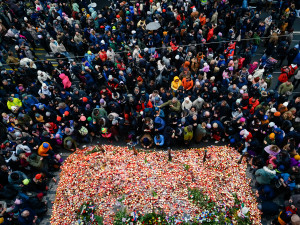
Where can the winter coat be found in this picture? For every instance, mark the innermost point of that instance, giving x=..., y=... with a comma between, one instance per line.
x=175, y=85
x=187, y=136
x=43, y=151
x=199, y=133
x=159, y=123
x=176, y=106
x=187, y=85
x=16, y=102
x=265, y=175
x=65, y=80
x=186, y=104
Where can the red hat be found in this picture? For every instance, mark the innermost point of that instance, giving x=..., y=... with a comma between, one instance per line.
x=38, y=176
x=58, y=118
x=66, y=113
x=84, y=99
x=39, y=196
x=118, y=16
x=164, y=10
x=102, y=27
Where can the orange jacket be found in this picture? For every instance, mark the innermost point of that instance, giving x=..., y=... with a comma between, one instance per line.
x=43, y=151
x=187, y=85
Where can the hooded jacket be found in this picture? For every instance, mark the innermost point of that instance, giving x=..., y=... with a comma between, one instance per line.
x=43, y=151
x=265, y=175
x=65, y=81
x=159, y=123
x=187, y=85
x=176, y=84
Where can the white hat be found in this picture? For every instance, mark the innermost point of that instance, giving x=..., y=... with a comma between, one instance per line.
x=146, y=49
x=285, y=104
x=177, y=57
x=273, y=110
x=13, y=108
x=272, y=124
x=103, y=42
x=110, y=77
x=133, y=31
x=17, y=47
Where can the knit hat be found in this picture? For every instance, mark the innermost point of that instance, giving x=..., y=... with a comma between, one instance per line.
x=272, y=124
x=58, y=118
x=48, y=114
x=37, y=115
x=285, y=104
x=242, y=119
x=38, y=176
x=104, y=130
x=273, y=110
x=89, y=119
x=41, y=106
x=85, y=99
x=11, y=129
x=272, y=136
x=39, y=196
x=277, y=114
x=82, y=118
x=45, y=145
x=66, y=113
x=102, y=101
x=25, y=182
x=208, y=126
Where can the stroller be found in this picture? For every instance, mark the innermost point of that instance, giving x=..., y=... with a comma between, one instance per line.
x=269, y=65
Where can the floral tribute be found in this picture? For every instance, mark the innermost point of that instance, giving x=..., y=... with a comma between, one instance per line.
x=194, y=186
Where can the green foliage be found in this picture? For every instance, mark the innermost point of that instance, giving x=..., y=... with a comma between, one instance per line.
x=186, y=167
x=85, y=213
x=99, y=220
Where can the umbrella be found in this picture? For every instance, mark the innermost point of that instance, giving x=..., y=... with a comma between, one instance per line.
x=153, y=26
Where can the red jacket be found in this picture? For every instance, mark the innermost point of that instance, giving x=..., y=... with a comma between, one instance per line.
x=283, y=77
x=254, y=104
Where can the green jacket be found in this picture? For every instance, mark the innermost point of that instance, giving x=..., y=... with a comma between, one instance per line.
x=256, y=39
x=35, y=162
x=176, y=106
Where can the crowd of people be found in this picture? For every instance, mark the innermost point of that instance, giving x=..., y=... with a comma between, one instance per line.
x=161, y=74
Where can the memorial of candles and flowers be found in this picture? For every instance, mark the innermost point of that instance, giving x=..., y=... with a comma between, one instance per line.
x=118, y=185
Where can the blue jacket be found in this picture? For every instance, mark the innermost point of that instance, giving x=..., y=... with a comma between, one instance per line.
x=31, y=100
x=27, y=220
x=161, y=140
x=159, y=123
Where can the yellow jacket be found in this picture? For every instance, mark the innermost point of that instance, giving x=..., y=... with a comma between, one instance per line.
x=176, y=84
x=16, y=102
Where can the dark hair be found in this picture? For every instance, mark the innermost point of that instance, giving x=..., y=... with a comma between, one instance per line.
x=14, y=176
